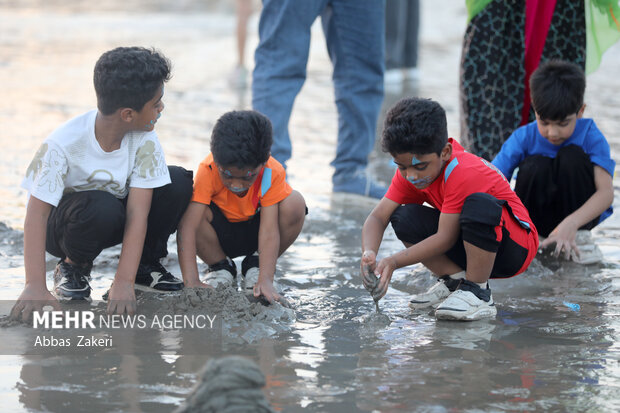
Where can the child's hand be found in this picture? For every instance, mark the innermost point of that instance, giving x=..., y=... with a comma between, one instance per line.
x=384, y=270
x=368, y=263
x=32, y=299
x=265, y=288
x=563, y=236
x=122, y=298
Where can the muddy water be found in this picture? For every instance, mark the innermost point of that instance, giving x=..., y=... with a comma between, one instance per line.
x=542, y=352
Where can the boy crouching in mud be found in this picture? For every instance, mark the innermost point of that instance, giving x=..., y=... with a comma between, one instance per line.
x=565, y=177
x=242, y=206
x=476, y=227
x=99, y=180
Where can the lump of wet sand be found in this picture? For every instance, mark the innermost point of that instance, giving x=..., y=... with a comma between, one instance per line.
x=231, y=304
x=229, y=384
x=242, y=319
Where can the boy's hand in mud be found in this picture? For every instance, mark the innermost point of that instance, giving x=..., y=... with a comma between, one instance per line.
x=122, y=298
x=563, y=236
x=385, y=269
x=367, y=266
x=265, y=288
x=32, y=299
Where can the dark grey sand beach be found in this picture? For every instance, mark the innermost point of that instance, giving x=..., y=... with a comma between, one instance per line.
x=554, y=346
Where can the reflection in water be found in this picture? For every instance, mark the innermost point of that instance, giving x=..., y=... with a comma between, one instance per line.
x=538, y=354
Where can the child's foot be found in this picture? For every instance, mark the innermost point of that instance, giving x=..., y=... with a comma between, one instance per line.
x=249, y=270
x=71, y=281
x=437, y=293
x=221, y=273
x=469, y=302
x=154, y=277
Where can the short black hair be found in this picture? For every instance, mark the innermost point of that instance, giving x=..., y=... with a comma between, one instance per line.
x=128, y=77
x=242, y=139
x=557, y=88
x=415, y=125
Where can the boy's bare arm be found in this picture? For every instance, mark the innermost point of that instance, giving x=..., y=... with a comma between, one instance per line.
x=122, y=296
x=374, y=227
x=35, y=292
x=186, y=244
x=35, y=231
x=564, y=234
x=268, y=247
x=600, y=200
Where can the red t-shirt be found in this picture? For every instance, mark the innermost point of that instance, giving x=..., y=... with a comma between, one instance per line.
x=269, y=188
x=463, y=175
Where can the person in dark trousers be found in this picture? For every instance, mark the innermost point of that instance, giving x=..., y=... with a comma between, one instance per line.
x=402, y=22
x=565, y=167
x=101, y=179
x=475, y=228
x=242, y=206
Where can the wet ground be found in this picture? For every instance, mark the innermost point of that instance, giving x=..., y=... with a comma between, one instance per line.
x=553, y=346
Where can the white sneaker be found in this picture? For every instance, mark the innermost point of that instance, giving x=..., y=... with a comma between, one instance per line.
x=433, y=296
x=437, y=293
x=589, y=252
x=250, y=279
x=464, y=305
x=221, y=273
x=583, y=237
x=393, y=77
x=219, y=277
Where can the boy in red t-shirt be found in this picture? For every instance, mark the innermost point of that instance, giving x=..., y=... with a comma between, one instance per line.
x=241, y=206
x=476, y=227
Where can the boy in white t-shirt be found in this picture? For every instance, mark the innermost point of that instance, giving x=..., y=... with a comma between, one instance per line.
x=101, y=179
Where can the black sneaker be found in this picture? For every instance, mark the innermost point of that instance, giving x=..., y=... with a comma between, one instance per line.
x=71, y=281
x=154, y=277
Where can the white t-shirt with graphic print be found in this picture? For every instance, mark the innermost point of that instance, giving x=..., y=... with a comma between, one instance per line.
x=71, y=160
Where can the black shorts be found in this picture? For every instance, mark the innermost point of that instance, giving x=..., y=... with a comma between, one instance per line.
x=236, y=238
x=485, y=222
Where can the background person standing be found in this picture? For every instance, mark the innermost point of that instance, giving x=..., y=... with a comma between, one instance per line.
x=354, y=33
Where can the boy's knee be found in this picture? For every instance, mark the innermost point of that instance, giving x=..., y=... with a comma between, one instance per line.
x=570, y=158
x=292, y=210
x=412, y=223
x=181, y=183
x=480, y=216
x=535, y=166
x=105, y=212
x=88, y=212
x=208, y=215
x=572, y=153
x=400, y=223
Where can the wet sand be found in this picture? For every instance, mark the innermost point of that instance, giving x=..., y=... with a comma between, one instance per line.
x=540, y=353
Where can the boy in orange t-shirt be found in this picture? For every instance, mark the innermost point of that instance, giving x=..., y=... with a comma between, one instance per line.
x=241, y=206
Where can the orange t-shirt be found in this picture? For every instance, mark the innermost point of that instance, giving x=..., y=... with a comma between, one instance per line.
x=269, y=188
